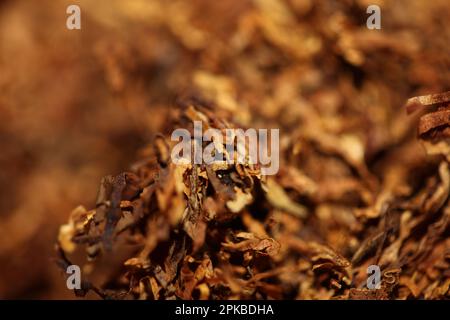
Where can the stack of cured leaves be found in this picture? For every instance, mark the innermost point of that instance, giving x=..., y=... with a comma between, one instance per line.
x=356, y=187
x=199, y=231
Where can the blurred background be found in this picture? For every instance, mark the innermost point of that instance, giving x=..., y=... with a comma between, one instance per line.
x=76, y=105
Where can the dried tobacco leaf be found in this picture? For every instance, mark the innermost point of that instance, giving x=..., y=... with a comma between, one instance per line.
x=362, y=181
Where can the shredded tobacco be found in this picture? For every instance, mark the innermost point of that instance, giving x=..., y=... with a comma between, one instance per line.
x=364, y=178
x=227, y=232
x=355, y=187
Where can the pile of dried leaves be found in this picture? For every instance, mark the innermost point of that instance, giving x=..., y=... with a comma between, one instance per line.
x=355, y=186
x=205, y=231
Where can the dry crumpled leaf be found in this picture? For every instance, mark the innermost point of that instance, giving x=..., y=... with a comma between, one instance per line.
x=355, y=187
x=279, y=199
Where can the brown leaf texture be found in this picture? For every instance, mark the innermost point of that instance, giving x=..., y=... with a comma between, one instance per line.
x=364, y=149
